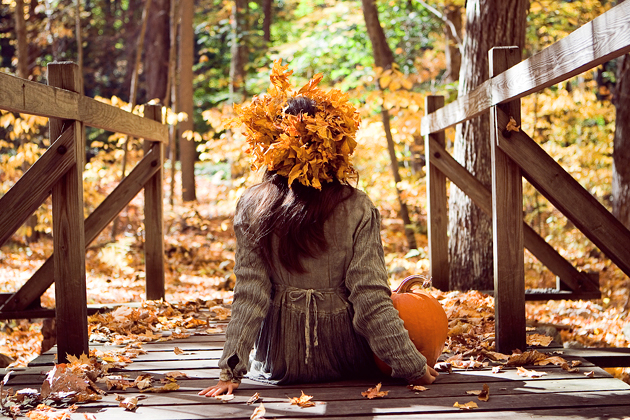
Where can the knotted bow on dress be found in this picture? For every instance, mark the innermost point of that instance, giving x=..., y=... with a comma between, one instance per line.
x=310, y=296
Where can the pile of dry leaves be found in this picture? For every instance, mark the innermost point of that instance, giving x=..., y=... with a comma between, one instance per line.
x=77, y=381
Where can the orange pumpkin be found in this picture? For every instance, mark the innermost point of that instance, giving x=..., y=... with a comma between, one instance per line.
x=424, y=319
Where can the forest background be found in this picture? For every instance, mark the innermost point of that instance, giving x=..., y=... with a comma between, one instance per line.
x=135, y=51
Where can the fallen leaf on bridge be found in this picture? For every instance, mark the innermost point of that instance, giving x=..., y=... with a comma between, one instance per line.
x=302, y=401
x=482, y=394
x=375, y=392
x=129, y=403
x=511, y=125
x=529, y=373
x=468, y=406
x=259, y=413
x=527, y=358
x=556, y=360
x=538, y=340
x=175, y=375
x=225, y=398
x=45, y=412
x=253, y=398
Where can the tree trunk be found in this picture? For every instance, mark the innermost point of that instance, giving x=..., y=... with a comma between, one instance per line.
x=489, y=23
x=621, y=148
x=187, y=151
x=77, y=21
x=384, y=58
x=157, y=56
x=238, y=50
x=22, y=43
x=267, y=19
x=170, y=98
x=133, y=94
x=453, y=13
x=22, y=71
x=132, y=98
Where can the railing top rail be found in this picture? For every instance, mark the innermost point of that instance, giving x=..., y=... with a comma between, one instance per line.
x=28, y=97
x=605, y=37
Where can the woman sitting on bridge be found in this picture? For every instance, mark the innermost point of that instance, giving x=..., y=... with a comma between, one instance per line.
x=311, y=287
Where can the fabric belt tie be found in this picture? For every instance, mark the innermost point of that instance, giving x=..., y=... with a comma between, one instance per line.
x=310, y=296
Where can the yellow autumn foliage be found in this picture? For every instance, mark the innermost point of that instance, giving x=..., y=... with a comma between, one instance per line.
x=310, y=149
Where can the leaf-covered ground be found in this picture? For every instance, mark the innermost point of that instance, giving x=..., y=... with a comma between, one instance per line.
x=200, y=249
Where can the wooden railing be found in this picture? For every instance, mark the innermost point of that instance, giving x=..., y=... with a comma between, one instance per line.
x=59, y=172
x=516, y=155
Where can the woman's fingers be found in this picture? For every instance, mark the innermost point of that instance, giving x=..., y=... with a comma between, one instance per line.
x=218, y=389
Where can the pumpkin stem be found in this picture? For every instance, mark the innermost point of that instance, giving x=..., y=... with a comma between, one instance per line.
x=406, y=285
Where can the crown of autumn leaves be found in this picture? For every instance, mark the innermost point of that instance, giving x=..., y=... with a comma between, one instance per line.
x=309, y=149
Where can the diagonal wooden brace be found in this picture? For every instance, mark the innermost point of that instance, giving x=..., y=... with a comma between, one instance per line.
x=568, y=196
x=94, y=224
x=35, y=186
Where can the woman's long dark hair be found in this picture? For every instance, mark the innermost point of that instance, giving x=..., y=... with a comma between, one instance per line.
x=295, y=215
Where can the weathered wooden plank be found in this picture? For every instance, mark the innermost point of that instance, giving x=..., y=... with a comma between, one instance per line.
x=211, y=408
x=68, y=232
x=507, y=222
x=30, y=191
x=437, y=210
x=568, y=196
x=603, y=357
x=598, y=41
x=471, y=186
x=464, y=108
x=124, y=192
x=34, y=375
x=152, y=356
x=101, y=115
x=154, y=217
x=618, y=412
x=21, y=95
x=482, y=197
x=352, y=392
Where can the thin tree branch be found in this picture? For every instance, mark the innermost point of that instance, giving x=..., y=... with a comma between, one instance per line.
x=443, y=18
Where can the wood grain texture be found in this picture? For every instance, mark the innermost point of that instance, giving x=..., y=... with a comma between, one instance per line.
x=68, y=233
x=437, y=211
x=101, y=115
x=124, y=192
x=20, y=95
x=482, y=197
x=558, y=393
x=30, y=191
x=507, y=223
x=598, y=41
x=568, y=196
x=154, y=216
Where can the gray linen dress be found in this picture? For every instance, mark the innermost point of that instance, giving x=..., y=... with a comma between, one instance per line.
x=322, y=325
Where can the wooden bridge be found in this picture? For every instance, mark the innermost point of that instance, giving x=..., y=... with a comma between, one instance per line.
x=59, y=172
x=514, y=155
x=590, y=393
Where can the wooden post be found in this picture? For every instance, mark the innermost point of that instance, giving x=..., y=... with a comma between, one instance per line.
x=154, y=216
x=68, y=233
x=437, y=216
x=507, y=221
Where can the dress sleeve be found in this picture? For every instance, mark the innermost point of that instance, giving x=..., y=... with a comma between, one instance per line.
x=252, y=295
x=375, y=317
